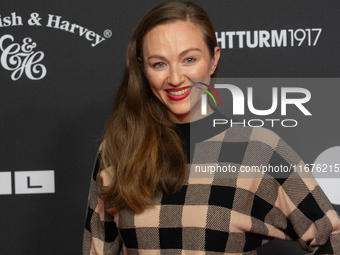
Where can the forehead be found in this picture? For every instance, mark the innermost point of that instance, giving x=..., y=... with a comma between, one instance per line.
x=172, y=38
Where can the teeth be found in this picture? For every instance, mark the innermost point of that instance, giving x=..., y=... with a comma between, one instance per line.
x=178, y=93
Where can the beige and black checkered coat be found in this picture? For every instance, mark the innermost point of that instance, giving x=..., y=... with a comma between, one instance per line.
x=222, y=212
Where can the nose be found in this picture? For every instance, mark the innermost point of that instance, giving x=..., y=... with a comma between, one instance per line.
x=176, y=76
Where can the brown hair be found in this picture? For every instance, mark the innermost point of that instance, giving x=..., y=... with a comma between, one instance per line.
x=142, y=144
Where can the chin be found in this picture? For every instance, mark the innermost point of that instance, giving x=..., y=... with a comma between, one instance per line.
x=180, y=112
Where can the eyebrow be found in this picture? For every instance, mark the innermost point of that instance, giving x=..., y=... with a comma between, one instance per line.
x=180, y=55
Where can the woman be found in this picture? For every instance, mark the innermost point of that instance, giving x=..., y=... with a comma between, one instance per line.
x=143, y=200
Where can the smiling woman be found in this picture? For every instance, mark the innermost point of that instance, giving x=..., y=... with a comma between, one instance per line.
x=143, y=197
x=172, y=54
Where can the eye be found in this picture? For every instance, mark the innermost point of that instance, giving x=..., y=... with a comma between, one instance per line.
x=190, y=60
x=158, y=65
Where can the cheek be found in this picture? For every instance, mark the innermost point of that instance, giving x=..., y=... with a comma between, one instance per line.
x=201, y=71
x=154, y=81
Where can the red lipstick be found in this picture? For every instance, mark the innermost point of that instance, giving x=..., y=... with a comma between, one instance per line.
x=180, y=97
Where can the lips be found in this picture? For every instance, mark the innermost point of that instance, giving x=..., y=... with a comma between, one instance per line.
x=177, y=94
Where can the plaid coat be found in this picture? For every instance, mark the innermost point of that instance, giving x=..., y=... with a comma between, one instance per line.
x=221, y=211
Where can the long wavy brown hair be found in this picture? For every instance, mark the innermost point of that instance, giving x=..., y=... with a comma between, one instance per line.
x=142, y=145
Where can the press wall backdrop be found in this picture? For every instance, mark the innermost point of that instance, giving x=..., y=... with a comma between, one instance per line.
x=61, y=63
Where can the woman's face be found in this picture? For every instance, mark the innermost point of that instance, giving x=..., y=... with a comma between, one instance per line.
x=173, y=54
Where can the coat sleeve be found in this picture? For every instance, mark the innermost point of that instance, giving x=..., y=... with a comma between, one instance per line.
x=101, y=235
x=311, y=219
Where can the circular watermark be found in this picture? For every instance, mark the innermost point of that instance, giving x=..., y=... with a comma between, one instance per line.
x=331, y=186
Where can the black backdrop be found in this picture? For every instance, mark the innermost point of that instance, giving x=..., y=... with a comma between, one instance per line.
x=55, y=123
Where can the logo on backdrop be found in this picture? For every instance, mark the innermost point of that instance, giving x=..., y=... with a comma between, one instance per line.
x=264, y=38
x=22, y=58
x=56, y=22
x=27, y=182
